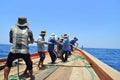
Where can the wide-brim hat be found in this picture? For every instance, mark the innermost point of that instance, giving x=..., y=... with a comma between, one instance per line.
x=43, y=32
x=61, y=38
x=22, y=21
x=53, y=35
x=65, y=36
x=76, y=38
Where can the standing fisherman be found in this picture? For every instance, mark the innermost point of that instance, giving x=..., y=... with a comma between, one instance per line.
x=66, y=48
x=20, y=37
x=41, y=48
x=51, y=47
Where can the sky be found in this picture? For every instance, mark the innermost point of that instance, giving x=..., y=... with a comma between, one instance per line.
x=96, y=23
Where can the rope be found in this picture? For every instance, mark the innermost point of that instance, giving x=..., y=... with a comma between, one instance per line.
x=89, y=69
x=86, y=65
x=61, y=65
x=14, y=77
x=18, y=69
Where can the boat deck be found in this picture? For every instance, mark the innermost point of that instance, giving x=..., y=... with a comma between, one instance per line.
x=77, y=68
x=80, y=66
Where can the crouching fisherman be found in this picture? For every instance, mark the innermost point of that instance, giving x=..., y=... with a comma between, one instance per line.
x=73, y=43
x=59, y=47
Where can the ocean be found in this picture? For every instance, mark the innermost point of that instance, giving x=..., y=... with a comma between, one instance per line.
x=108, y=56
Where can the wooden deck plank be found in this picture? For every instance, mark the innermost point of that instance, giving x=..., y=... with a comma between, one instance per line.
x=83, y=73
x=62, y=73
x=74, y=69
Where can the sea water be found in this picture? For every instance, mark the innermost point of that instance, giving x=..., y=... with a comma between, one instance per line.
x=108, y=56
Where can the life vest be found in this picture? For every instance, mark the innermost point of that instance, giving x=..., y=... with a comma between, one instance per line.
x=20, y=40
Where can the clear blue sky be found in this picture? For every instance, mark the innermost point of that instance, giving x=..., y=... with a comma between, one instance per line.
x=95, y=22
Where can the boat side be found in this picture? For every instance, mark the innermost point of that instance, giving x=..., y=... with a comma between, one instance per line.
x=104, y=71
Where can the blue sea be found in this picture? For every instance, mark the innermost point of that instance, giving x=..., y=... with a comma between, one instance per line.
x=108, y=56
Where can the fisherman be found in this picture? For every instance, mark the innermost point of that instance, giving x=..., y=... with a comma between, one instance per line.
x=51, y=47
x=73, y=42
x=59, y=46
x=41, y=48
x=66, y=48
x=20, y=36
